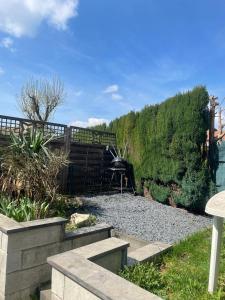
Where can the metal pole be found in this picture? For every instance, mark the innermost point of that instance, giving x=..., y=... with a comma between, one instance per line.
x=215, y=253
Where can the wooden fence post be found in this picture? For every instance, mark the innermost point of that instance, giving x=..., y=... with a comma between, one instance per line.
x=67, y=142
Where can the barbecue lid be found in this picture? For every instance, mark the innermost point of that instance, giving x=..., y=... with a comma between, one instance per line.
x=118, y=159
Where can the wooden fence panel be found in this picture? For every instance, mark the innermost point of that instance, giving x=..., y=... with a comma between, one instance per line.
x=86, y=148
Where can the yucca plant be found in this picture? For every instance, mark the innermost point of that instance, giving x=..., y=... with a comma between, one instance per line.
x=30, y=168
x=32, y=142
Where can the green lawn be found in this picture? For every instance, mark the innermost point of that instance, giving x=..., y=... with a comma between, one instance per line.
x=182, y=273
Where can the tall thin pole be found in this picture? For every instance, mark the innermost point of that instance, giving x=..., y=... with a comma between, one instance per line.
x=213, y=104
x=220, y=120
x=211, y=155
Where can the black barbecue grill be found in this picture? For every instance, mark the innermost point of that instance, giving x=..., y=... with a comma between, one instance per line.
x=119, y=162
x=120, y=168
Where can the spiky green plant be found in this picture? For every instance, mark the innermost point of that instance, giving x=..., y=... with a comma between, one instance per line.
x=30, y=168
x=23, y=209
x=32, y=142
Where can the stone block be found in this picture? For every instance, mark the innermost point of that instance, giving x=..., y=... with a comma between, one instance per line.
x=44, y=223
x=101, y=248
x=20, y=295
x=54, y=297
x=48, y=295
x=58, y=282
x=4, y=244
x=149, y=252
x=38, y=255
x=111, y=262
x=134, y=242
x=34, y=237
x=66, y=245
x=8, y=224
x=89, y=230
x=75, y=291
x=13, y=261
x=1, y=239
x=25, y=279
x=3, y=256
x=2, y=282
x=89, y=239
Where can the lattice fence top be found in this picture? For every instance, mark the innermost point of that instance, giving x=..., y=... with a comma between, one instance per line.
x=19, y=125
x=77, y=134
x=90, y=136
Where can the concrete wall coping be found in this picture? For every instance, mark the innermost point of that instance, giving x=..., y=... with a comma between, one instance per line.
x=84, y=231
x=101, y=248
x=44, y=222
x=97, y=280
x=8, y=225
x=149, y=251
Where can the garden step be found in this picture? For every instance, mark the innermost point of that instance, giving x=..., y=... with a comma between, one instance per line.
x=148, y=252
x=135, y=243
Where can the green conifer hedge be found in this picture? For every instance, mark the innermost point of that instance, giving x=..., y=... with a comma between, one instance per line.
x=167, y=145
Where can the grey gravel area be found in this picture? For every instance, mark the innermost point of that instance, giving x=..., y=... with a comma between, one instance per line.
x=144, y=218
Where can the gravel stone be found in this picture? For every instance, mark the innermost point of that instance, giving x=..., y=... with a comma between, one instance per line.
x=143, y=218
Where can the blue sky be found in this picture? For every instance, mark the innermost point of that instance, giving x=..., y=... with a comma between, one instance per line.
x=113, y=56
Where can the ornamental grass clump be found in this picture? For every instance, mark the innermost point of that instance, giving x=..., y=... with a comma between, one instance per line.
x=29, y=168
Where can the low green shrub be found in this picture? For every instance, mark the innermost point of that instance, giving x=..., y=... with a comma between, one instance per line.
x=195, y=191
x=65, y=205
x=144, y=275
x=159, y=193
x=23, y=209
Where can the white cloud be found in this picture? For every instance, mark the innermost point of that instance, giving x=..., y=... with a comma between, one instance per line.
x=7, y=43
x=23, y=17
x=90, y=122
x=1, y=71
x=111, y=89
x=117, y=97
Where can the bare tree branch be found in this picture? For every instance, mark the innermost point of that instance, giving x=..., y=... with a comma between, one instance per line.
x=39, y=98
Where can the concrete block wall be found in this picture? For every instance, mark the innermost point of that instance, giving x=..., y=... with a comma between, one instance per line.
x=63, y=288
x=24, y=248
x=88, y=273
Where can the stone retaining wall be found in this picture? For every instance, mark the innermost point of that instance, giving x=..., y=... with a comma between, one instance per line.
x=88, y=273
x=24, y=248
